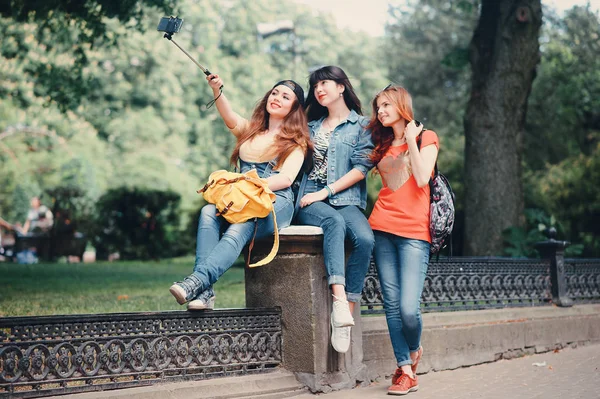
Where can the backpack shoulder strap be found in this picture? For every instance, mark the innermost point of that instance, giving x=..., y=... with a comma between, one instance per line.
x=435, y=167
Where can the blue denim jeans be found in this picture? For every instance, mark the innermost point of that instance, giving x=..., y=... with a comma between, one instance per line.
x=339, y=223
x=219, y=243
x=402, y=266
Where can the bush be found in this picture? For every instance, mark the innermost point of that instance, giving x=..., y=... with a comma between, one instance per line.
x=520, y=241
x=72, y=209
x=570, y=191
x=137, y=223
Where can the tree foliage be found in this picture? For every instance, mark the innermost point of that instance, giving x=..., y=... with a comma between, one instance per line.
x=93, y=99
x=81, y=21
x=128, y=109
x=563, y=128
x=427, y=43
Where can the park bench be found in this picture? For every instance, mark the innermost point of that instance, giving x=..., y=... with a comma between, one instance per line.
x=53, y=244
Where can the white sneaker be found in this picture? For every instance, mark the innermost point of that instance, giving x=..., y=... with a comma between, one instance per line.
x=340, y=315
x=340, y=338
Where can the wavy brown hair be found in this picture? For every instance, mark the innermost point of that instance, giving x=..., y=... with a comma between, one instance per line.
x=293, y=133
x=383, y=136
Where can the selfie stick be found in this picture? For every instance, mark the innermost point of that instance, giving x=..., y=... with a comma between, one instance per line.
x=170, y=37
x=206, y=71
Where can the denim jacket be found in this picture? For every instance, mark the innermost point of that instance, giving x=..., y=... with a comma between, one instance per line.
x=350, y=147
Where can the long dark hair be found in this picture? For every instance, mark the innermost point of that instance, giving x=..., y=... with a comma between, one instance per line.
x=314, y=110
x=293, y=133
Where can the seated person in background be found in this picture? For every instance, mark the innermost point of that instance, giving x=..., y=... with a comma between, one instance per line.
x=39, y=218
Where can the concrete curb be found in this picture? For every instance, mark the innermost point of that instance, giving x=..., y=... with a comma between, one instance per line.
x=465, y=338
x=278, y=384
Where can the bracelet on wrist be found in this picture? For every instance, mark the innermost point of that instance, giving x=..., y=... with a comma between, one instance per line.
x=331, y=190
x=328, y=191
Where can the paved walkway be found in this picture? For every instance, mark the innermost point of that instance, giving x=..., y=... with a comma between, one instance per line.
x=566, y=374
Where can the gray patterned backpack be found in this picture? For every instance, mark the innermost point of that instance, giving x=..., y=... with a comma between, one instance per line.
x=441, y=208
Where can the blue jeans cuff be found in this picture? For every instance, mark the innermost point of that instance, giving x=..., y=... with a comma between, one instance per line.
x=405, y=362
x=352, y=297
x=336, y=280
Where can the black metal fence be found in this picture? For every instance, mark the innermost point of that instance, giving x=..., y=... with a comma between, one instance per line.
x=583, y=280
x=463, y=283
x=473, y=283
x=50, y=355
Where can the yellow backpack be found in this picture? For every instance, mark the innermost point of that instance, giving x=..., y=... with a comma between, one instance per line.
x=240, y=197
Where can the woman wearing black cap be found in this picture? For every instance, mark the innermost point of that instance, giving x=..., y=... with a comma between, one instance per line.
x=275, y=142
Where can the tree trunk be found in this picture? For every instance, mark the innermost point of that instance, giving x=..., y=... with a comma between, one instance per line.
x=503, y=54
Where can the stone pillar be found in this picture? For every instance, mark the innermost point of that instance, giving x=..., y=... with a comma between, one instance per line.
x=296, y=281
x=554, y=251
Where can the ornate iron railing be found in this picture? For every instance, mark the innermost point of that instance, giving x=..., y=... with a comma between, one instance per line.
x=48, y=355
x=583, y=280
x=462, y=283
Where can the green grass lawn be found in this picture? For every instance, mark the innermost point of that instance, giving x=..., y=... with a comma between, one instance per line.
x=103, y=287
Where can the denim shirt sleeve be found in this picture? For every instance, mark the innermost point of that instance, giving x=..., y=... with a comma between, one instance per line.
x=361, y=156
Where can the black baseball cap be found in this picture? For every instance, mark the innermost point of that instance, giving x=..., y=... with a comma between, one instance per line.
x=295, y=87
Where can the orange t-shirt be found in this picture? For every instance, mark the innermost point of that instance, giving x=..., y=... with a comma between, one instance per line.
x=402, y=207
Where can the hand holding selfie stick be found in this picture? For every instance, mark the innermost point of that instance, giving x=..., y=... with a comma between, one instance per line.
x=171, y=25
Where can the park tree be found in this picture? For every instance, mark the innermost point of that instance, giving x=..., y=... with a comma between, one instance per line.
x=71, y=28
x=504, y=54
x=59, y=17
x=568, y=83
x=563, y=146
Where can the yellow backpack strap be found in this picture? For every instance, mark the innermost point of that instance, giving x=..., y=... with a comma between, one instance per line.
x=274, y=250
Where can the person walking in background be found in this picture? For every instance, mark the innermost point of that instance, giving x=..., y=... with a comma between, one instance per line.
x=275, y=142
x=334, y=191
x=400, y=222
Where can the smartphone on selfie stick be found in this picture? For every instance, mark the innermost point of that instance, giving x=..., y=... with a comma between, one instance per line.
x=172, y=25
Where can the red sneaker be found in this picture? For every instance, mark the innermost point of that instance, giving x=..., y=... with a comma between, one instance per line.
x=404, y=385
x=396, y=376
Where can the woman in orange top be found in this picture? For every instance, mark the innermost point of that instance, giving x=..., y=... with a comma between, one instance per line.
x=400, y=222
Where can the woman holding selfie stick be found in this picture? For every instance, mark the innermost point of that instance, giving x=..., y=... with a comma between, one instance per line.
x=275, y=142
x=335, y=191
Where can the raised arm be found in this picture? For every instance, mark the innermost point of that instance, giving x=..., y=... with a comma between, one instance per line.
x=230, y=117
x=423, y=161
